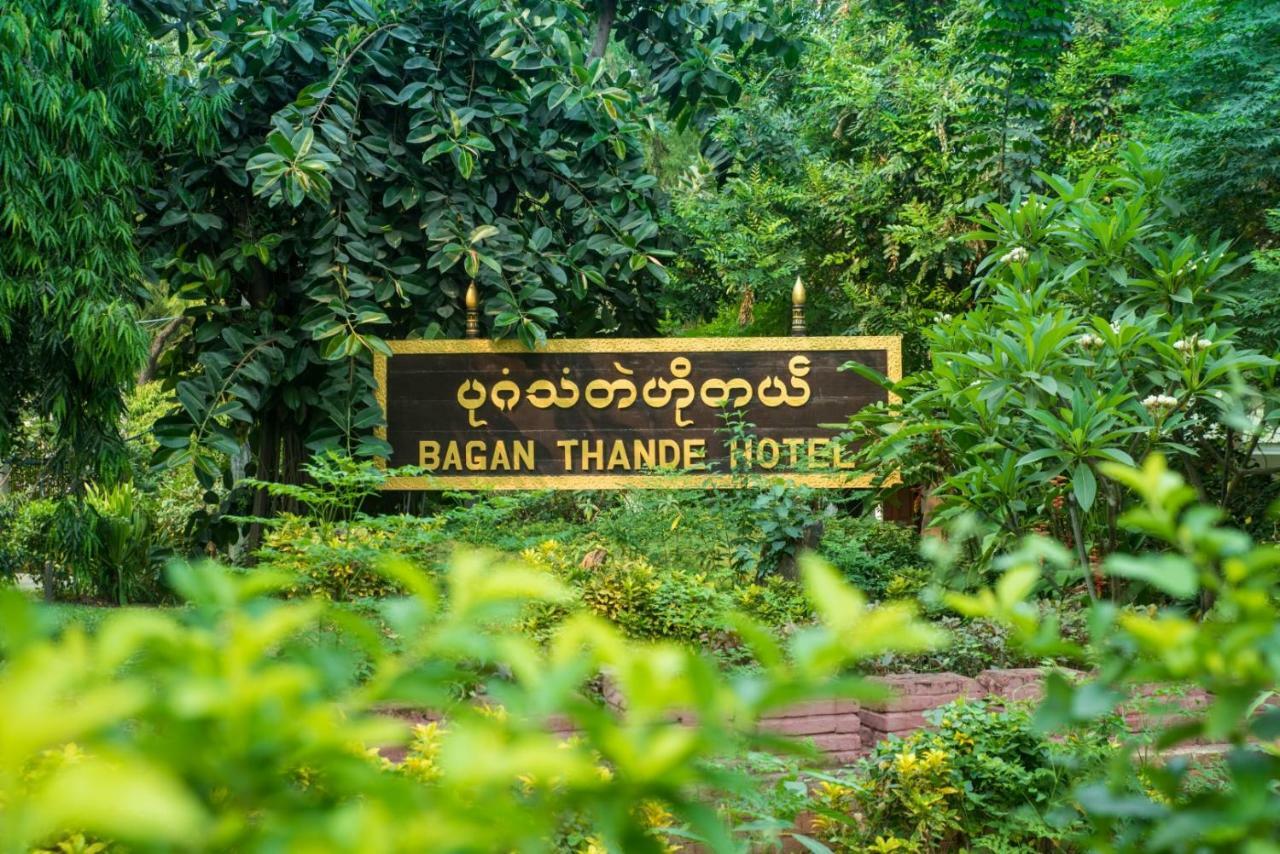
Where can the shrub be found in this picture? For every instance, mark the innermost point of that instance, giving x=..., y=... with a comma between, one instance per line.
x=875, y=556
x=776, y=602
x=678, y=529
x=25, y=535
x=218, y=727
x=628, y=591
x=1106, y=336
x=118, y=564
x=512, y=523
x=181, y=510
x=341, y=562
x=1160, y=803
x=981, y=779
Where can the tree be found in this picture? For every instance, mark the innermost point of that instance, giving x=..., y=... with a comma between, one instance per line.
x=1206, y=93
x=80, y=104
x=858, y=169
x=358, y=166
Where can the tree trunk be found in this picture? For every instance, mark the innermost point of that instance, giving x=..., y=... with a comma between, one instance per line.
x=268, y=466
x=604, y=25
x=148, y=372
x=291, y=466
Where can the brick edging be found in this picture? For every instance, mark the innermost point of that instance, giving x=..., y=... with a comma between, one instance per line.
x=845, y=730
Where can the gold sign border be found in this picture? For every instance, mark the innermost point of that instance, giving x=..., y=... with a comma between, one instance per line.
x=891, y=344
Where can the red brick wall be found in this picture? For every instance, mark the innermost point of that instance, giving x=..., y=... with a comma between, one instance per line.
x=843, y=730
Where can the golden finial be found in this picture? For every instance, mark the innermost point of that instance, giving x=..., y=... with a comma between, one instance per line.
x=797, y=308
x=472, y=302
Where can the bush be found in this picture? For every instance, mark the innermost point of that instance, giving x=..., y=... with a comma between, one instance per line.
x=117, y=563
x=1106, y=336
x=220, y=727
x=881, y=559
x=776, y=602
x=181, y=510
x=1160, y=803
x=981, y=779
x=682, y=529
x=25, y=531
x=340, y=562
x=631, y=593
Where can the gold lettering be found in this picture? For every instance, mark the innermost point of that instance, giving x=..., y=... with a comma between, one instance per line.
x=769, y=447
x=534, y=394
x=428, y=455
x=600, y=393
x=499, y=460
x=592, y=459
x=695, y=451
x=793, y=445
x=768, y=398
x=716, y=392
x=475, y=456
x=817, y=457
x=524, y=455
x=567, y=445
x=569, y=386
x=642, y=451
x=471, y=396
x=799, y=367
x=506, y=394
x=618, y=456
x=680, y=368
x=452, y=459
x=668, y=453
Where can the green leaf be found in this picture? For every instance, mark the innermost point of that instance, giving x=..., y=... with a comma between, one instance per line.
x=1173, y=574
x=1084, y=485
x=464, y=161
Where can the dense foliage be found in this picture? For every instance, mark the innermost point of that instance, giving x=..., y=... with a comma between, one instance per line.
x=270, y=189
x=860, y=168
x=1105, y=336
x=222, y=724
x=81, y=105
x=980, y=778
x=1150, y=802
x=357, y=166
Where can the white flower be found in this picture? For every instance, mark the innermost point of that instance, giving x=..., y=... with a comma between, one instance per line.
x=1190, y=345
x=1089, y=341
x=942, y=318
x=1159, y=402
x=1016, y=255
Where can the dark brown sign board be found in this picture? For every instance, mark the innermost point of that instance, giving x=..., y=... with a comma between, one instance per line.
x=624, y=413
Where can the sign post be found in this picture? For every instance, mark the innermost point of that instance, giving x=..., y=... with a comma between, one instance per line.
x=625, y=413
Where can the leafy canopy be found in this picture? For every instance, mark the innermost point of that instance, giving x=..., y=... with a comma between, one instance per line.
x=359, y=165
x=80, y=104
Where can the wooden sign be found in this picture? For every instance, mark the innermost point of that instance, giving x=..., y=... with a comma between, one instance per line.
x=638, y=413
